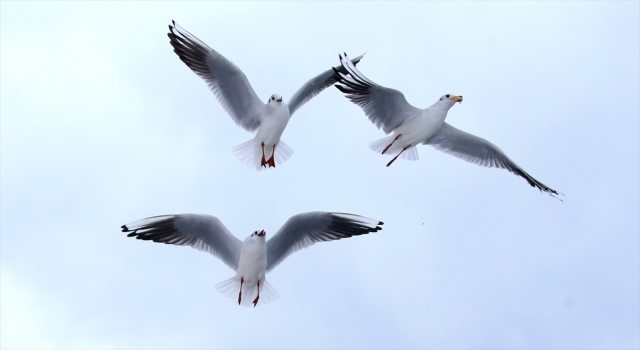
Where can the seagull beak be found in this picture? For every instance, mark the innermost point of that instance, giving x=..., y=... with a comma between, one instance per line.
x=279, y=100
x=261, y=233
x=455, y=99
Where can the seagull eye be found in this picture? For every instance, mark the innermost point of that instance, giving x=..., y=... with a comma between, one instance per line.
x=448, y=96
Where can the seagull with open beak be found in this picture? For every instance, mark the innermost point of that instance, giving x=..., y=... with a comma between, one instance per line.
x=252, y=258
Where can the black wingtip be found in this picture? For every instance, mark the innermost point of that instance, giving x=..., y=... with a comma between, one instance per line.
x=132, y=234
x=380, y=223
x=341, y=88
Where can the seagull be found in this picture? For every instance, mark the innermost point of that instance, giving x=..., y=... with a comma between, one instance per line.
x=409, y=126
x=252, y=258
x=232, y=89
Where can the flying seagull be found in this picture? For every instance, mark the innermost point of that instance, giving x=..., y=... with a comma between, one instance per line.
x=252, y=258
x=232, y=89
x=409, y=126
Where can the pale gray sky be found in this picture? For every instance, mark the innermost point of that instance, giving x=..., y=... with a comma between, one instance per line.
x=102, y=124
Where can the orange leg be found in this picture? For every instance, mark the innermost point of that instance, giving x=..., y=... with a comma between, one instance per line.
x=394, y=140
x=263, y=162
x=272, y=160
x=396, y=157
x=240, y=294
x=255, y=301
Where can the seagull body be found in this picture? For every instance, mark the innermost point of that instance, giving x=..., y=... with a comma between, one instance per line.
x=409, y=126
x=413, y=131
x=252, y=265
x=234, y=92
x=271, y=128
x=255, y=256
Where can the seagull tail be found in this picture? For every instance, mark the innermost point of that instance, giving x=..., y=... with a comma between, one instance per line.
x=380, y=145
x=250, y=154
x=230, y=288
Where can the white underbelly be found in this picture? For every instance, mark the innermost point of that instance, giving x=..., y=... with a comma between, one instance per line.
x=271, y=130
x=252, y=268
x=416, y=130
x=269, y=134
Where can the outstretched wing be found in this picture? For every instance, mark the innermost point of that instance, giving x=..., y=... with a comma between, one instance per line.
x=202, y=232
x=479, y=151
x=314, y=86
x=386, y=108
x=306, y=229
x=225, y=79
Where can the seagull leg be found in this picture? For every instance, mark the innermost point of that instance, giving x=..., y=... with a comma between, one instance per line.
x=272, y=160
x=394, y=140
x=396, y=157
x=263, y=162
x=255, y=301
x=240, y=294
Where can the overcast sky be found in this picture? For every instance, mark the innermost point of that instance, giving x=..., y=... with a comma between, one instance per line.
x=102, y=124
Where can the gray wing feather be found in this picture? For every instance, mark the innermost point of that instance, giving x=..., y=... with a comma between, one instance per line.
x=202, y=232
x=227, y=82
x=306, y=229
x=386, y=108
x=314, y=86
x=479, y=151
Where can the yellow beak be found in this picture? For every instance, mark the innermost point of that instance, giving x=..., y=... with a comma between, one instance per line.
x=455, y=99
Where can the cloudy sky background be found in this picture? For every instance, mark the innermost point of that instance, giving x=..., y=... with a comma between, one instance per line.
x=102, y=124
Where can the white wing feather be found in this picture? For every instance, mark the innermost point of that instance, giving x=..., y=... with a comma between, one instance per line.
x=306, y=229
x=202, y=232
x=227, y=82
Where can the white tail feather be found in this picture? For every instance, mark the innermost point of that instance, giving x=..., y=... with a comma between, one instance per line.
x=250, y=153
x=231, y=287
x=283, y=152
x=410, y=154
x=379, y=145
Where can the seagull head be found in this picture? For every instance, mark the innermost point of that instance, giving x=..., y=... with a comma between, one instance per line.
x=275, y=98
x=260, y=234
x=449, y=100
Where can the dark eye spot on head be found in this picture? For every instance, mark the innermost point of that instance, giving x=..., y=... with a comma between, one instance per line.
x=448, y=96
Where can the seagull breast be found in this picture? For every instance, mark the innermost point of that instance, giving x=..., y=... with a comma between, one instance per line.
x=253, y=259
x=273, y=124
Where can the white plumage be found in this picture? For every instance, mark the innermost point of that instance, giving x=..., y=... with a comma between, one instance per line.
x=252, y=258
x=409, y=126
x=234, y=92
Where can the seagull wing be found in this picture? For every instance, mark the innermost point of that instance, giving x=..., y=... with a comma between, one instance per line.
x=479, y=151
x=202, y=232
x=306, y=229
x=386, y=108
x=225, y=79
x=314, y=86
